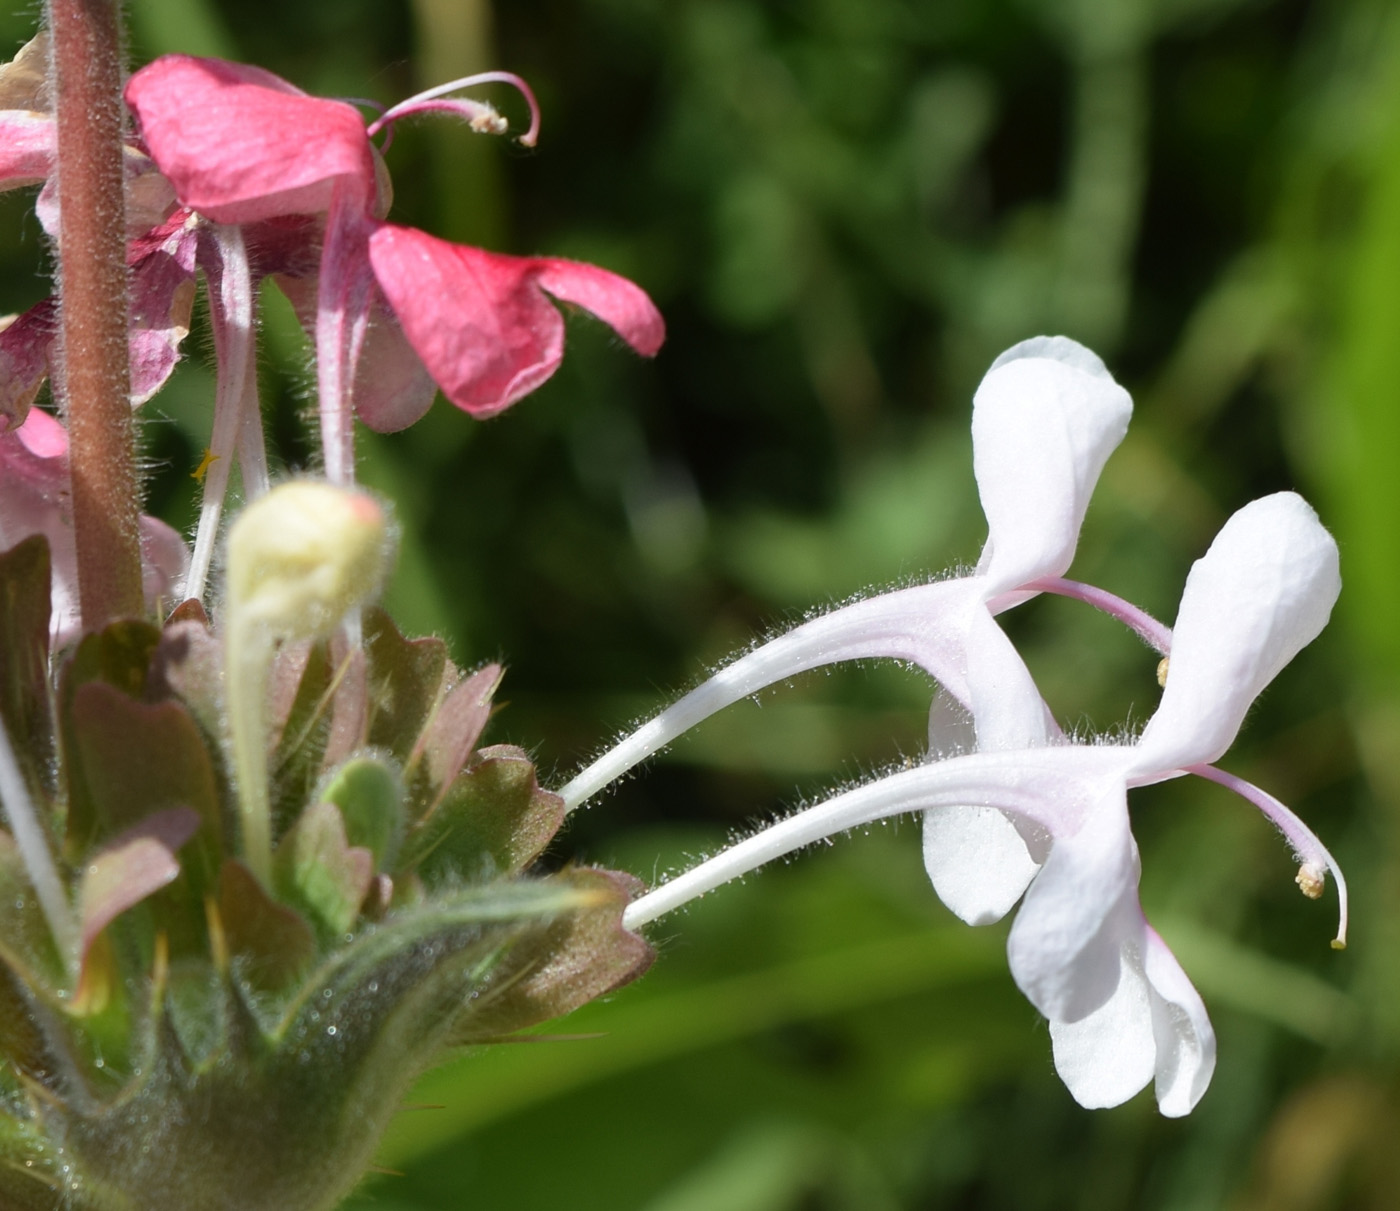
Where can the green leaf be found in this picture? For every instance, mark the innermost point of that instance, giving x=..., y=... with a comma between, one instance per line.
x=494, y=819
x=320, y=873
x=369, y=793
x=406, y=680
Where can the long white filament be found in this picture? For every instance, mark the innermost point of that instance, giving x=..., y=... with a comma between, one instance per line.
x=34, y=850
x=233, y=339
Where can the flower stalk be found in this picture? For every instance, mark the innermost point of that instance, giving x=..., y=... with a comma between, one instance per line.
x=94, y=372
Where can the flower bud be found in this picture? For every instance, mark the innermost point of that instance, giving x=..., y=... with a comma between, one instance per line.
x=305, y=555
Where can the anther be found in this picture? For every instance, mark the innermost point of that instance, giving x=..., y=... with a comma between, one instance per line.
x=1311, y=879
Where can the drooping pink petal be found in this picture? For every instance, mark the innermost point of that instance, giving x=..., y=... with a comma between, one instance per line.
x=393, y=388
x=162, y=297
x=26, y=346
x=481, y=322
x=1262, y=592
x=1044, y=421
x=150, y=197
x=239, y=144
x=140, y=861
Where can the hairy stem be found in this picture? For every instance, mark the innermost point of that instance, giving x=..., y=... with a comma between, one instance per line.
x=94, y=375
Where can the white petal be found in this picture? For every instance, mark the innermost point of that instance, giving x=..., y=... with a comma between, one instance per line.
x=1063, y=948
x=1185, y=1040
x=1044, y=421
x=1007, y=709
x=977, y=860
x=1110, y=1055
x=1261, y=593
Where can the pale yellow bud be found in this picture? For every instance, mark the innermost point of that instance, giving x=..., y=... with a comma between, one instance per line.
x=303, y=556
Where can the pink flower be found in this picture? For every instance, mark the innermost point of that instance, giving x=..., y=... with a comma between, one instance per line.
x=241, y=145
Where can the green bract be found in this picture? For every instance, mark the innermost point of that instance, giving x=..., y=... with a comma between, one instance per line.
x=220, y=1041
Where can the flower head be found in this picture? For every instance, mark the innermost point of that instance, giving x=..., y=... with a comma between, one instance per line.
x=1121, y=1010
x=242, y=146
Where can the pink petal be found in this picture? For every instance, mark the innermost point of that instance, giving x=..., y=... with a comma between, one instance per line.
x=140, y=861
x=35, y=499
x=481, y=322
x=392, y=387
x=28, y=145
x=26, y=343
x=162, y=296
x=239, y=144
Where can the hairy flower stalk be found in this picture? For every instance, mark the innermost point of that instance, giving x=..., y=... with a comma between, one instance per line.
x=94, y=380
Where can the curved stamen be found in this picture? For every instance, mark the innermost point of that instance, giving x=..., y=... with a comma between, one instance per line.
x=33, y=846
x=1156, y=635
x=486, y=77
x=1308, y=849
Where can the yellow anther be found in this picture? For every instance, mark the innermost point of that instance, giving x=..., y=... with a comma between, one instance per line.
x=1311, y=879
x=209, y=459
x=1162, y=666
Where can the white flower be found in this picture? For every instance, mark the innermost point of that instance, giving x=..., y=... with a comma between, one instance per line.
x=1121, y=1010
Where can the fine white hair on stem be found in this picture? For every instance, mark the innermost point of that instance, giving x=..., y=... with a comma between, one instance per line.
x=34, y=850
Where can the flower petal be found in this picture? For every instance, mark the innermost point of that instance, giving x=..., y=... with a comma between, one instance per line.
x=393, y=388
x=480, y=320
x=977, y=861
x=1154, y=1026
x=162, y=297
x=1185, y=1039
x=26, y=344
x=1064, y=945
x=1111, y=1054
x=240, y=144
x=1044, y=421
x=1259, y=595
x=28, y=147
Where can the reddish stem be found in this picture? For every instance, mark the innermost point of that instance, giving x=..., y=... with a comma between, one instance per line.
x=94, y=375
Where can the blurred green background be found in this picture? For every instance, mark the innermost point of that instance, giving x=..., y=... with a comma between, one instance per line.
x=846, y=208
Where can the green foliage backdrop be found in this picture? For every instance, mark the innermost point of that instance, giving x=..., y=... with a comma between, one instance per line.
x=846, y=208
